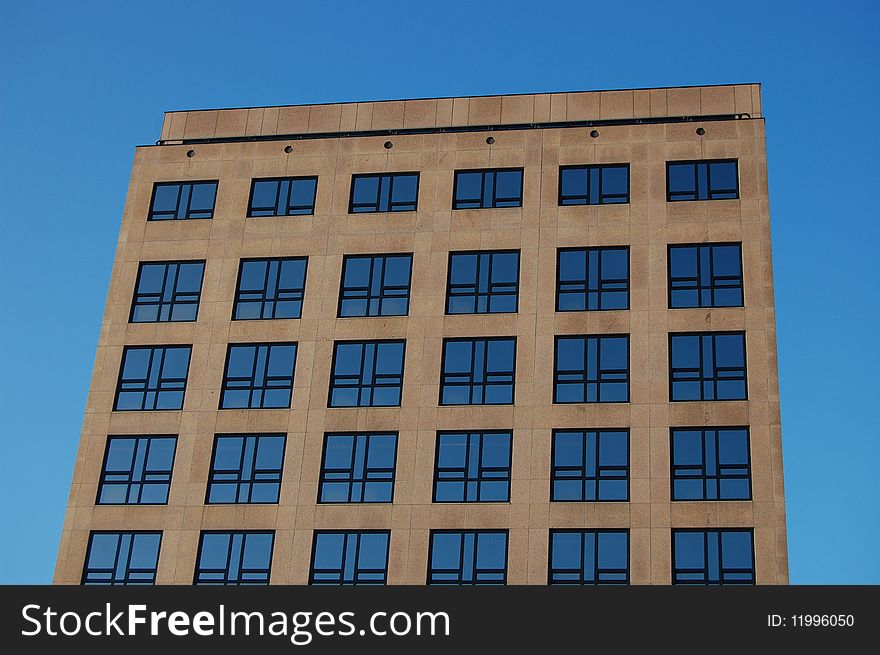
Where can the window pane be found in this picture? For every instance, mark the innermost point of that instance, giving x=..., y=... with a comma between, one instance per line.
x=681, y=179
x=264, y=195
x=469, y=187
x=366, y=193
x=375, y=285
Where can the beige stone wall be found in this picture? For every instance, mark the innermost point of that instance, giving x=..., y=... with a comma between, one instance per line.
x=450, y=112
x=647, y=224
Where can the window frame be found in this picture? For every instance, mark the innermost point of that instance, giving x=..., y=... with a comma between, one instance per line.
x=590, y=169
x=598, y=382
x=224, y=383
x=390, y=175
x=364, y=343
x=489, y=293
x=462, y=533
x=600, y=291
x=359, y=533
x=279, y=181
x=264, y=292
x=160, y=303
x=142, y=408
x=597, y=478
x=382, y=292
x=254, y=472
x=120, y=534
x=352, y=479
x=232, y=534
x=720, y=555
x=186, y=217
x=699, y=285
x=704, y=477
x=144, y=473
x=709, y=191
x=465, y=479
x=582, y=582
x=495, y=199
x=484, y=383
x=714, y=379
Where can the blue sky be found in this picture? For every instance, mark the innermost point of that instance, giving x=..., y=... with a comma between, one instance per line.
x=81, y=83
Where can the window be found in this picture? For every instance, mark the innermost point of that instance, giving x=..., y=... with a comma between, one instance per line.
x=258, y=376
x=152, y=378
x=234, y=558
x=122, y=558
x=246, y=468
x=592, y=369
x=589, y=557
x=483, y=189
x=710, y=464
x=375, y=285
x=590, y=465
x=707, y=366
x=167, y=291
x=136, y=471
x=182, y=201
x=270, y=288
x=713, y=557
x=478, y=371
x=467, y=557
x=358, y=468
x=367, y=374
x=350, y=558
x=702, y=180
x=594, y=185
x=592, y=279
x=283, y=196
x=472, y=467
x=707, y=275
x=482, y=282
x=388, y=192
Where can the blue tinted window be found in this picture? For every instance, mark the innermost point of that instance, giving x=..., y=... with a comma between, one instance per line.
x=482, y=282
x=472, y=467
x=713, y=557
x=708, y=275
x=481, y=189
x=350, y=558
x=182, y=200
x=589, y=557
x=367, y=374
x=478, y=371
x=592, y=369
x=702, y=180
x=358, y=468
x=707, y=366
x=389, y=192
x=167, y=291
x=467, y=557
x=270, y=288
x=258, y=376
x=152, y=378
x=246, y=468
x=136, y=471
x=234, y=558
x=283, y=196
x=592, y=279
x=594, y=185
x=710, y=464
x=375, y=285
x=590, y=465
x=122, y=558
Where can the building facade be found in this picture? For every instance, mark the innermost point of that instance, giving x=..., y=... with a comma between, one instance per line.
x=518, y=339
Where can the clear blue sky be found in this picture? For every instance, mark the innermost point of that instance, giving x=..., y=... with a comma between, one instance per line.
x=81, y=83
